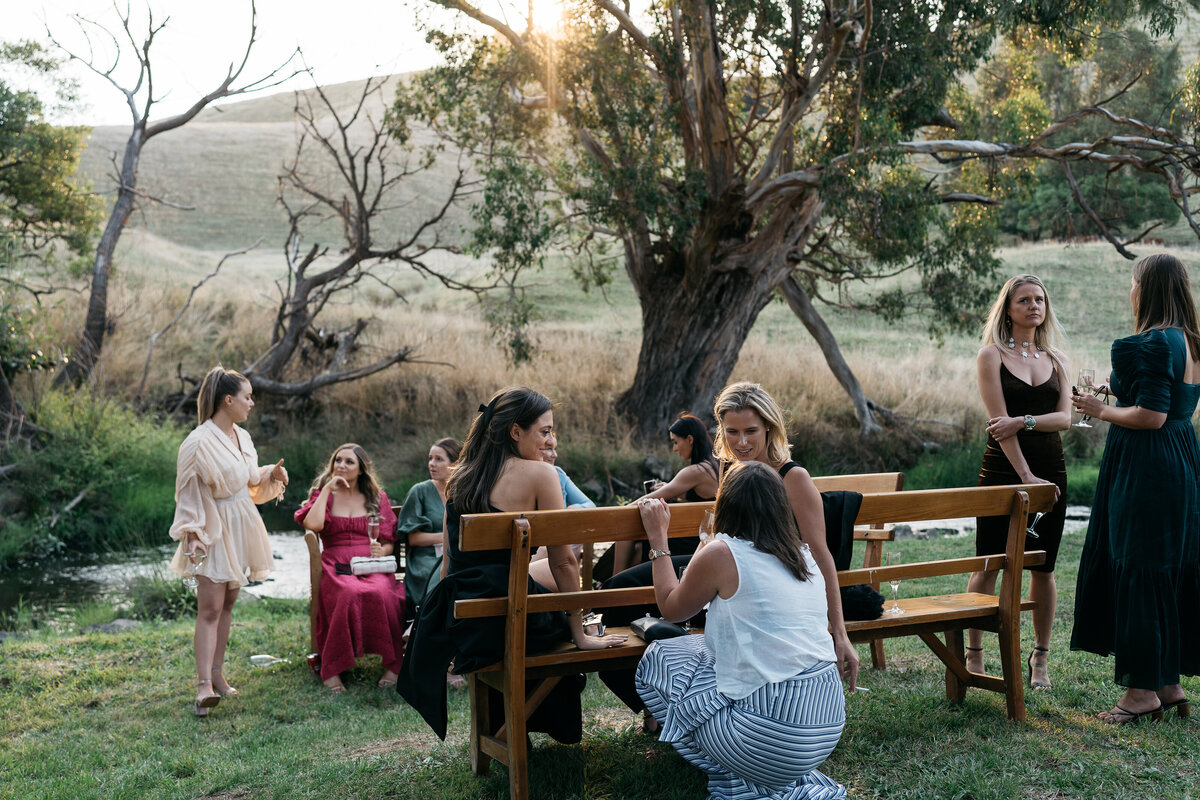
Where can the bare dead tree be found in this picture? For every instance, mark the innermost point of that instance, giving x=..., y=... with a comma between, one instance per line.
x=141, y=96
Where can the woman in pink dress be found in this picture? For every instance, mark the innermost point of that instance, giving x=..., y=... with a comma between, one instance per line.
x=356, y=614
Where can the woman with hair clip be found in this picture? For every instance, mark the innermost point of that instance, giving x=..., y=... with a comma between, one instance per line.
x=1138, y=589
x=756, y=700
x=695, y=483
x=357, y=614
x=750, y=427
x=500, y=469
x=222, y=539
x=1028, y=401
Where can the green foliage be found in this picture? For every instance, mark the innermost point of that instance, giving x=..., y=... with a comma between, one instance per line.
x=119, y=464
x=158, y=597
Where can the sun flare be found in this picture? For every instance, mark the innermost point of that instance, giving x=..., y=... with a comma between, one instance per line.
x=546, y=15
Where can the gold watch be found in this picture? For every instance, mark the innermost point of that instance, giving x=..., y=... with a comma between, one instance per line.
x=656, y=553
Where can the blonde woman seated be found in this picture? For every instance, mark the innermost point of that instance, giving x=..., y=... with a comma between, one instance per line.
x=357, y=614
x=756, y=700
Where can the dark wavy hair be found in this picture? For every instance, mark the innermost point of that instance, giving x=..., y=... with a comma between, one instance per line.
x=367, y=483
x=489, y=445
x=752, y=504
x=702, y=446
x=218, y=384
x=1164, y=298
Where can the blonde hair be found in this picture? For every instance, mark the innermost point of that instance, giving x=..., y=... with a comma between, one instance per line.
x=1164, y=298
x=218, y=384
x=367, y=483
x=743, y=395
x=998, y=328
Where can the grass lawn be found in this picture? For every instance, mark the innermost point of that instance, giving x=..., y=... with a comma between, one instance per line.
x=109, y=716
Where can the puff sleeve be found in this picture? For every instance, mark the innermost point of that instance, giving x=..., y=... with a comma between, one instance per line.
x=1143, y=372
x=192, y=496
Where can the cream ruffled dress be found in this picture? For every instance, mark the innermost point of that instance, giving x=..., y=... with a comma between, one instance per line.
x=216, y=488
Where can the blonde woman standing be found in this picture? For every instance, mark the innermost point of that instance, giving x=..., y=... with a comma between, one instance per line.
x=217, y=483
x=1024, y=384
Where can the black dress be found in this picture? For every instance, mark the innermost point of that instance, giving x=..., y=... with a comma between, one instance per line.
x=1138, y=591
x=438, y=637
x=1043, y=453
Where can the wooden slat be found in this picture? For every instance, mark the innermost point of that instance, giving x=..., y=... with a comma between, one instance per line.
x=561, y=601
x=930, y=569
x=874, y=535
x=618, y=524
x=869, y=483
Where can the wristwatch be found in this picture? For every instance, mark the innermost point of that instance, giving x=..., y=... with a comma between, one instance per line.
x=656, y=553
x=1030, y=422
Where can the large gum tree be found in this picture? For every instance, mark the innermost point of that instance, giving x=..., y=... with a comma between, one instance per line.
x=722, y=152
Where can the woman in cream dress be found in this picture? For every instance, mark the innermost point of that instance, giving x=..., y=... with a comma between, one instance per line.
x=218, y=481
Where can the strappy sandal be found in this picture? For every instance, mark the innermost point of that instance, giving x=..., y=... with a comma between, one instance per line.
x=1125, y=717
x=1029, y=663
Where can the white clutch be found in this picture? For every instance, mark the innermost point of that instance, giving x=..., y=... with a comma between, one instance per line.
x=363, y=565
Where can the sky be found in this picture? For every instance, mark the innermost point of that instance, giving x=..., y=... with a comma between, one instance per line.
x=342, y=40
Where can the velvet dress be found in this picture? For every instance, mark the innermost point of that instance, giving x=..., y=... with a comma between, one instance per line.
x=356, y=614
x=1043, y=453
x=1138, y=592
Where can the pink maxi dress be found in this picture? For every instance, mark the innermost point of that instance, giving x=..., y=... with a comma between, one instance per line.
x=356, y=614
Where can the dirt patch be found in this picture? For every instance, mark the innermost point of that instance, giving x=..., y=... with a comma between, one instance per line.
x=240, y=794
x=614, y=719
x=420, y=744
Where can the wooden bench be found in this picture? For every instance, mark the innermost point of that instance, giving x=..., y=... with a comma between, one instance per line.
x=524, y=681
x=314, y=578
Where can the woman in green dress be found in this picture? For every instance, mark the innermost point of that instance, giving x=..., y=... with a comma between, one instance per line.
x=1139, y=576
x=420, y=524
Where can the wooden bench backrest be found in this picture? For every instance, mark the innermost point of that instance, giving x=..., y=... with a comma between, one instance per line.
x=867, y=483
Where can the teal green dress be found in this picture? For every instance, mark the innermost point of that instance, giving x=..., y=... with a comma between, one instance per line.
x=1138, y=593
x=423, y=511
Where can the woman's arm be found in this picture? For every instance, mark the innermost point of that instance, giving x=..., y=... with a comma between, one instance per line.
x=314, y=520
x=414, y=523
x=710, y=572
x=1132, y=417
x=810, y=517
x=687, y=478
x=572, y=496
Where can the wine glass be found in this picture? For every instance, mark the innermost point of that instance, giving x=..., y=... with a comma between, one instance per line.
x=894, y=560
x=1037, y=516
x=195, y=559
x=1087, y=378
x=373, y=528
x=707, y=523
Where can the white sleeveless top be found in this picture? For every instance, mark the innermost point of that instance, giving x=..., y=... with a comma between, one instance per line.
x=773, y=628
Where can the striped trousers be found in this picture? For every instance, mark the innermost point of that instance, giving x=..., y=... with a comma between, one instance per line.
x=766, y=745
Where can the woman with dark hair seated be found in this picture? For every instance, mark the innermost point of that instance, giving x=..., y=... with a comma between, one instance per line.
x=357, y=614
x=500, y=469
x=695, y=483
x=756, y=700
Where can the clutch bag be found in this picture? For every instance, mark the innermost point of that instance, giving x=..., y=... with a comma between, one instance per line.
x=363, y=565
x=651, y=629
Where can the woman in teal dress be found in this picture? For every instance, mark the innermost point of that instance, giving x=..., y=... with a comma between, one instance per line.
x=1139, y=576
x=420, y=524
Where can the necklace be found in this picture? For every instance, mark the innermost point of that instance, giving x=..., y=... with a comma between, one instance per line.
x=1025, y=348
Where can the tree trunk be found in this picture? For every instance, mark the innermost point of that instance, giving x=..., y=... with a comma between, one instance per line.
x=691, y=337
x=79, y=368
x=800, y=303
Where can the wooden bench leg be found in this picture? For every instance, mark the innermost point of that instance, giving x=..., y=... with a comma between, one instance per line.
x=956, y=689
x=480, y=723
x=518, y=747
x=873, y=557
x=878, y=660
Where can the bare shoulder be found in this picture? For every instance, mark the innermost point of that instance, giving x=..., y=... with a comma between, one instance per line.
x=988, y=355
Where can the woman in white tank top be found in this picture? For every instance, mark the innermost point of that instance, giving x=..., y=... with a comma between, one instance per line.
x=756, y=701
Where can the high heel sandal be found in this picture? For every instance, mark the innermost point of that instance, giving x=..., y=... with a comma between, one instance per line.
x=1183, y=708
x=1130, y=718
x=1029, y=664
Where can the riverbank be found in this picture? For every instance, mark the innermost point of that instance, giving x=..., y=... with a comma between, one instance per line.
x=95, y=715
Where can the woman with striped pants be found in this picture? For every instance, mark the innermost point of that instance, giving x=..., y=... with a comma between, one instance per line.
x=756, y=702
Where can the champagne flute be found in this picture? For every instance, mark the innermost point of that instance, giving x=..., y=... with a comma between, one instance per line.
x=894, y=560
x=1087, y=377
x=1031, y=531
x=707, y=523
x=195, y=559
x=373, y=528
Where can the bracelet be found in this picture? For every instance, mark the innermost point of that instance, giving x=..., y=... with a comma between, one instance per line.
x=659, y=553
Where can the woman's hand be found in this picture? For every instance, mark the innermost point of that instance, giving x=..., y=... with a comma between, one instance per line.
x=847, y=661
x=656, y=517
x=336, y=483
x=278, y=473
x=1088, y=404
x=376, y=549
x=600, y=642
x=194, y=545
x=1002, y=428
x=1035, y=479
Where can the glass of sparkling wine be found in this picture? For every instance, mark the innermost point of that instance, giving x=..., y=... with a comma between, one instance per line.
x=707, y=523
x=894, y=560
x=195, y=559
x=1087, y=379
x=373, y=528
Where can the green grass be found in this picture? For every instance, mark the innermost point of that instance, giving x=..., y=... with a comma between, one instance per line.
x=108, y=716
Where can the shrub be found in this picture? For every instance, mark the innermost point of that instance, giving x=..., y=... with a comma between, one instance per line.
x=116, y=467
